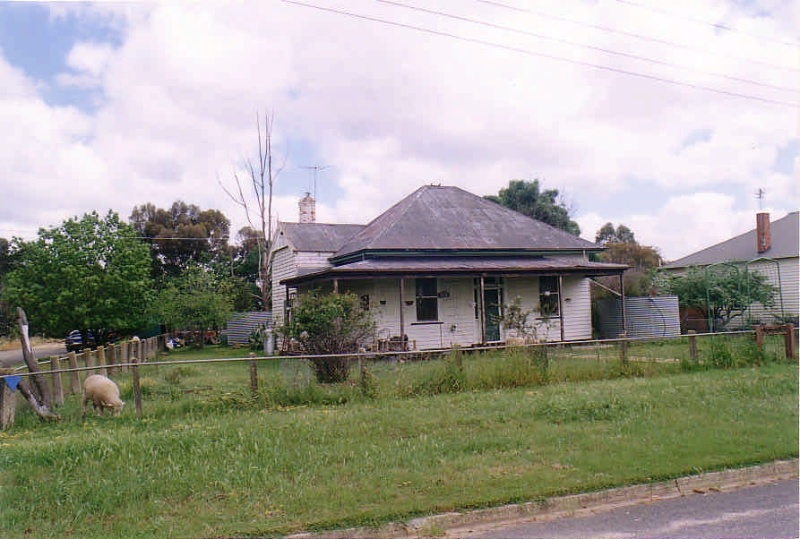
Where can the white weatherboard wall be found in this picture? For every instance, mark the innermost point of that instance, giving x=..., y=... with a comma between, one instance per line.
x=789, y=283
x=577, y=304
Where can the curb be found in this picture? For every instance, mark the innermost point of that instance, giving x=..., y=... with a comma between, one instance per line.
x=461, y=524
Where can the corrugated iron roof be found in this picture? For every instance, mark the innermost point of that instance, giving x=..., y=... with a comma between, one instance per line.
x=318, y=237
x=743, y=248
x=449, y=218
x=461, y=265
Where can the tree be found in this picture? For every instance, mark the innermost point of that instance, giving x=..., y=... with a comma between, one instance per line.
x=196, y=300
x=326, y=324
x=546, y=206
x=182, y=235
x=724, y=293
x=608, y=234
x=621, y=247
x=261, y=181
x=91, y=274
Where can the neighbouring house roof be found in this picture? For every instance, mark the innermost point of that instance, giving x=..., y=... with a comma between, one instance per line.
x=440, y=218
x=472, y=265
x=318, y=237
x=742, y=248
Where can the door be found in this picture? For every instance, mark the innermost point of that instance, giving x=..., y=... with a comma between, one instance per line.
x=491, y=301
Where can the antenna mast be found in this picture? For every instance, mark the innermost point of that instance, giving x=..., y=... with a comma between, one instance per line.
x=315, y=168
x=760, y=195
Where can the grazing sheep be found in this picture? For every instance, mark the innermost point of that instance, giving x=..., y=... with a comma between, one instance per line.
x=103, y=393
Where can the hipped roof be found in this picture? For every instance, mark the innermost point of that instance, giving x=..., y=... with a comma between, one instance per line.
x=440, y=218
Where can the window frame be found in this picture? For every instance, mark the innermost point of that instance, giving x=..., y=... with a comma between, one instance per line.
x=549, y=296
x=427, y=299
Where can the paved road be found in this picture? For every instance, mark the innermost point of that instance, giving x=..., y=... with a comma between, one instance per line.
x=769, y=511
x=12, y=358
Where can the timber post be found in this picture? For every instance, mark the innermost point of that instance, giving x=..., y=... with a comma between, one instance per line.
x=623, y=348
x=101, y=360
x=58, y=391
x=74, y=377
x=8, y=401
x=253, y=375
x=692, y=344
x=137, y=389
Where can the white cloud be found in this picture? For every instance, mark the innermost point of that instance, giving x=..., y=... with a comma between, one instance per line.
x=389, y=109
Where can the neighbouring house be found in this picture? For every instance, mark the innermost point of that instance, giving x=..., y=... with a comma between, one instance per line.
x=771, y=249
x=438, y=269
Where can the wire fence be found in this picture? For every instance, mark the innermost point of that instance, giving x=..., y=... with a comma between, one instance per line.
x=157, y=381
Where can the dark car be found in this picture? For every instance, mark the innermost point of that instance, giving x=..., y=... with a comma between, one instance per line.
x=74, y=341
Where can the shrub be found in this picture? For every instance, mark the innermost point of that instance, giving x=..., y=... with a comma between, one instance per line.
x=332, y=325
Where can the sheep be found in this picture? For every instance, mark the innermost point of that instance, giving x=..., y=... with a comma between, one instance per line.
x=103, y=393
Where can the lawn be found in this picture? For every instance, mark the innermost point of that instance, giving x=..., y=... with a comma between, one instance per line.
x=209, y=459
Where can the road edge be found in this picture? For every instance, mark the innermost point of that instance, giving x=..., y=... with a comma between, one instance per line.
x=462, y=524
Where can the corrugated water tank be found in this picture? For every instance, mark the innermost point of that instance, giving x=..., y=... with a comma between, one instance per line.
x=645, y=317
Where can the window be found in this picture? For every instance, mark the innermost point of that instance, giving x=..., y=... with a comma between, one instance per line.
x=548, y=296
x=427, y=300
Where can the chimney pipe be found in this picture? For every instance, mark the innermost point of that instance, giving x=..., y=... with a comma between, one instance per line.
x=763, y=234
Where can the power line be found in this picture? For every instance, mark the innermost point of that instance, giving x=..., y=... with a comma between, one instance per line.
x=583, y=45
x=634, y=35
x=543, y=55
x=712, y=24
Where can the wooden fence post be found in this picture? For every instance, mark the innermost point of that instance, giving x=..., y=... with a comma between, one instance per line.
x=692, y=344
x=623, y=348
x=58, y=391
x=790, y=343
x=74, y=377
x=124, y=356
x=8, y=402
x=101, y=360
x=88, y=358
x=253, y=375
x=112, y=358
x=137, y=390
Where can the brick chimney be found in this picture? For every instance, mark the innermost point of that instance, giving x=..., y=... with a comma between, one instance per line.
x=308, y=209
x=763, y=234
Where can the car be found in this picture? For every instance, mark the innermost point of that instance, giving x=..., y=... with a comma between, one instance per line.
x=74, y=341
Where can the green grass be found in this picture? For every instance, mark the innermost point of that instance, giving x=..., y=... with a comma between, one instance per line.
x=208, y=459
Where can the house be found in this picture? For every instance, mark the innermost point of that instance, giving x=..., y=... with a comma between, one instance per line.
x=771, y=249
x=438, y=269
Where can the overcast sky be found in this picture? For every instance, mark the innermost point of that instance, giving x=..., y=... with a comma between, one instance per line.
x=667, y=117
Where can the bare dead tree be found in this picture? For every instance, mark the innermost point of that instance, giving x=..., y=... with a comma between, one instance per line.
x=262, y=179
x=38, y=393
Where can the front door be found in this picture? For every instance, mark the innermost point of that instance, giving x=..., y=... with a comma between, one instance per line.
x=491, y=302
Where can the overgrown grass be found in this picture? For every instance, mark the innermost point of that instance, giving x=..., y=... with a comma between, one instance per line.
x=210, y=459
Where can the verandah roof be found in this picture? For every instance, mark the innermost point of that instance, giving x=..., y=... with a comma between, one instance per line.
x=458, y=266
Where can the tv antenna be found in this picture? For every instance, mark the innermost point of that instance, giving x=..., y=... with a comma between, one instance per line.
x=315, y=168
x=760, y=195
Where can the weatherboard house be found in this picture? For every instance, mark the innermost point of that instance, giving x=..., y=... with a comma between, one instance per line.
x=438, y=269
x=771, y=249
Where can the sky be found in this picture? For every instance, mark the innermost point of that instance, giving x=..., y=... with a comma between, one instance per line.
x=668, y=118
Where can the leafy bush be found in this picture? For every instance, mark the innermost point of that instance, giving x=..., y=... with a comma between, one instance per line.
x=333, y=325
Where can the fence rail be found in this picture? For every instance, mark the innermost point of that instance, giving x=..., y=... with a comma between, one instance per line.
x=132, y=356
